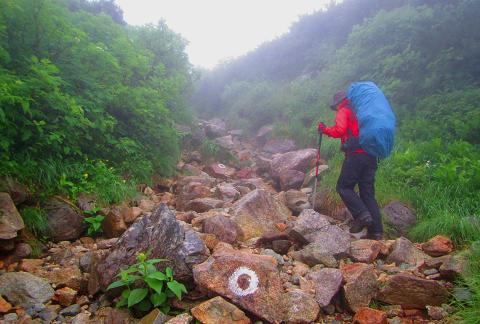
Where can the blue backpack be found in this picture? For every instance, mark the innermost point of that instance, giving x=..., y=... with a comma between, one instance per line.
x=376, y=119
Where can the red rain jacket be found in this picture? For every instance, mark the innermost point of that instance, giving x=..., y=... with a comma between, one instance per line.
x=345, y=120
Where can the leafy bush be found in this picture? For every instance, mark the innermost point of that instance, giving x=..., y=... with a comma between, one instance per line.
x=156, y=286
x=94, y=222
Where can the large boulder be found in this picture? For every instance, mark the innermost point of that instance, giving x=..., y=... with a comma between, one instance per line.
x=399, y=216
x=257, y=213
x=250, y=281
x=327, y=282
x=412, y=292
x=307, y=226
x=215, y=128
x=64, y=219
x=324, y=238
x=24, y=289
x=360, y=285
x=10, y=220
x=275, y=146
x=225, y=142
x=16, y=190
x=159, y=233
x=299, y=160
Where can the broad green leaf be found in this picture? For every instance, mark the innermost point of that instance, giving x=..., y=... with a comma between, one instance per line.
x=158, y=299
x=158, y=275
x=136, y=296
x=177, y=288
x=126, y=293
x=122, y=302
x=155, y=284
x=116, y=284
x=155, y=261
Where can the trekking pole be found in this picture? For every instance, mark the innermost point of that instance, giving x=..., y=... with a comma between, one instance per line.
x=316, y=170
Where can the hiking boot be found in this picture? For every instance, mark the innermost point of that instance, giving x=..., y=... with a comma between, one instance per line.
x=360, y=222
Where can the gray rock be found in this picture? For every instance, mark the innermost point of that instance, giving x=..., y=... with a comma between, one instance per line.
x=404, y=251
x=48, y=315
x=225, y=142
x=16, y=190
x=24, y=289
x=309, y=223
x=10, y=318
x=272, y=253
x=291, y=179
x=275, y=146
x=399, y=216
x=297, y=201
x=327, y=283
x=299, y=307
x=10, y=220
x=86, y=261
x=22, y=250
x=296, y=160
x=64, y=221
x=71, y=310
x=160, y=233
x=314, y=254
x=215, y=128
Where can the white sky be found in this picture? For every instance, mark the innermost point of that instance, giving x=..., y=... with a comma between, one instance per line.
x=220, y=29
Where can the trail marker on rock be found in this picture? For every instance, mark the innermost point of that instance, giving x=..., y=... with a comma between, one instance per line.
x=243, y=282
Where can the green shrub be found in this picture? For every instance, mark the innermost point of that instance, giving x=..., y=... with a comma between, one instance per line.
x=94, y=222
x=156, y=287
x=36, y=222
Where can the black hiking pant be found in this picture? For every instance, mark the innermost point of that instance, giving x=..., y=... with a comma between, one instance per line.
x=359, y=169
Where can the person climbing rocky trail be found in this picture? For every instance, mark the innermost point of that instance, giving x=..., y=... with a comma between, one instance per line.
x=245, y=239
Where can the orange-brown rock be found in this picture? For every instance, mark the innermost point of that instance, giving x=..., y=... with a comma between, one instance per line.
x=114, y=225
x=10, y=220
x=87, y=240
x=365, y=251
x=412, y=292
x=70, y=276
x=5, y=306
x=367, y=315
x=361, y=284
x=222, y=227
x=300, y=307
x=65, y=296
x=30, y=265
x=218, y=310
x=438, y=246
x=257, y=213
x=154, y=317
x=201, y=205
x=248, y=280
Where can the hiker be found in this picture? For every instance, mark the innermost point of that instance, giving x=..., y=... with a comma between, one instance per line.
x=358, y=168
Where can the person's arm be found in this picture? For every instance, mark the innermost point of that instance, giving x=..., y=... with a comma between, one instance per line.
x=340, y=128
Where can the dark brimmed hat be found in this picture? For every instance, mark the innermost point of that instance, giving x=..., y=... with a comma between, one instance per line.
x=338, y=98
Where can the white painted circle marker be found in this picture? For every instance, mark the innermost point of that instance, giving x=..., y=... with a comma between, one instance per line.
x=221, y=166
x=252, y=282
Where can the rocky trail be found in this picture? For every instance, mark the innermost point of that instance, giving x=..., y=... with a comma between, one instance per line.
x=245, y=239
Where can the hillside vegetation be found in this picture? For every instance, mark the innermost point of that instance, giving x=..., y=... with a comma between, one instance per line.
x=425, y=55
x=84, y=95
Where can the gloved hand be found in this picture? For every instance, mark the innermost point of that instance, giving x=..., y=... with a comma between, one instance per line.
x=321, y=127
